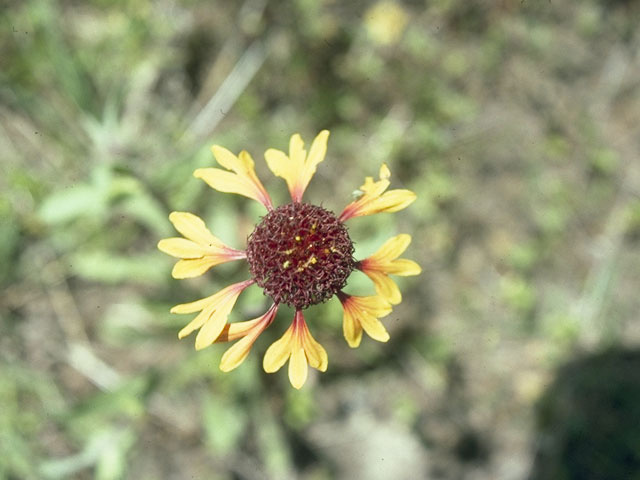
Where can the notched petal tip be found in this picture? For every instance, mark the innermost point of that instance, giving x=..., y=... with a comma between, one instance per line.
x=278, y=353
x=375, y=199
x=191, y=267
x=200, y=172
x=385, y=173
x=385, y=262
x=298, y=368
x=363, y=314
x=173, y=216
x=351, y=330
x=239, y=177
x=298, y=167
x=236, y=354
x=212, y=327
x=374, y=328
x=214, y=311
x=404, y=268
x=300, y=349
x=391, y=249
x=247, y=332
x=193, y=228
x=399, y=199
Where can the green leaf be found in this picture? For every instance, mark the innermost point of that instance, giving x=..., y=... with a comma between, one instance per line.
x=224, y=424
x=70, y=203
x=114, y=268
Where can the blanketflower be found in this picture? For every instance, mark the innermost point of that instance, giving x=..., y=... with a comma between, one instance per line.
x=299, y=254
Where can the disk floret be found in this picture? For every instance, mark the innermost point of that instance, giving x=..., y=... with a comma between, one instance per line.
x=300, y=254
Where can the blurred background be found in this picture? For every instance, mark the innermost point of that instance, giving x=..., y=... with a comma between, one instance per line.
x=513, y=355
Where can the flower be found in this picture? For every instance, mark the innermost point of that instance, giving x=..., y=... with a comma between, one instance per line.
x=299, y=254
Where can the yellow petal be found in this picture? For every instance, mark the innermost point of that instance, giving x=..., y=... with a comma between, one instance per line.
x=223, y=299
x=392, y=248
x=201, y=304
x=391, y=201
x=229, y=161
x=297, y=169
x=385, y=262
x=375, y=201
x=227, y=182
x=242, y=181
x=278, y=353
x=281, y=166
x=236, y=354
x=236, y=330
x=351, y=329
x=373, y=189
x=193, y=228
x=197, y=322
x=193, y=267
x=363, y=313
x=316, y=155
x=300, y=348
x=212, y=328
x=385, y=287
x=374, y=305
x=374, y=328
x=404, y=267
x=250, y=330
x=297, y=153
x=199, y=251
x=298, y=368
x=316, y=354
x=182, y=248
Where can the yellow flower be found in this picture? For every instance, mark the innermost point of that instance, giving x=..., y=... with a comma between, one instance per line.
x=299, y=347
x=385, y=262
x=299, y=254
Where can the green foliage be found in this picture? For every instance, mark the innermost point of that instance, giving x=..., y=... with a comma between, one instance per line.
x=514, y=123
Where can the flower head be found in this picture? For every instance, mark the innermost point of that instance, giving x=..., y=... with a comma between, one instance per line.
x=299, y=254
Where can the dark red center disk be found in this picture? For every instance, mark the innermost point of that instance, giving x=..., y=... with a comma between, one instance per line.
x=300, y=254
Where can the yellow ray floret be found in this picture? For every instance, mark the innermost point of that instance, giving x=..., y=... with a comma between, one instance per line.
x=375, y=199
x=247, y=332
x=242, y=181
x=362, y=313
x=297, y=168
x=214, y=311
x=199, y=250
x=385, y=262
x=300, y=348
